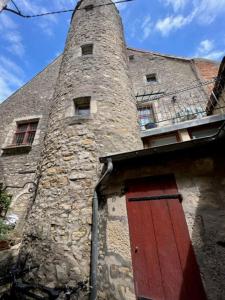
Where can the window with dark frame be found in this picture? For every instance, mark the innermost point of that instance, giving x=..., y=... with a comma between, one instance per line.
x=146, y=117
x=82, y=106
x=87, y=49
x=204, y=131
x=160, y=140
x=25, y=133
x=151, y=78
x=131, y=57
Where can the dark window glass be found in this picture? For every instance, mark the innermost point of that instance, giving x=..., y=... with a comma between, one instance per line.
x=146, y=116
x=204, y=131
x=161, y=140
x=151, y=78
x=82, y=106
x=25, y=133
x=131, y=57
x=87, y=49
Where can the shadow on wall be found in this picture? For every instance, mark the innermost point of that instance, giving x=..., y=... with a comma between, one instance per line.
x=207, y=231
x=6, y=261
x=1, y=172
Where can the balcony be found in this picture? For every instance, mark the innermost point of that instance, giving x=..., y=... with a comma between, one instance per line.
x=163, y=109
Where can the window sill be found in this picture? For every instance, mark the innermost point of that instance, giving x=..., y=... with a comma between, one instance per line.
x=16, y=149
x=78, y=119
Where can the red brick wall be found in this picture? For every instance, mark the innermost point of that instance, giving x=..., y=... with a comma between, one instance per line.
x=206, y=71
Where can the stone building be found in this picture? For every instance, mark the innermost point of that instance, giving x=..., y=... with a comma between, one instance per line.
x=115, y=164
x=217, y=98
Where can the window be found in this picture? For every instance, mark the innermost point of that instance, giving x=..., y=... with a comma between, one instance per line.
x=151, y=78
x=131, y=57
x=204, y=131
x=161, y=140
x=82, y=106
x=146, y=117
x=89, y=7
x=87, y=49
x=25, y=133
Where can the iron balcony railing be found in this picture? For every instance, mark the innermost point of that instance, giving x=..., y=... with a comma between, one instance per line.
x=159, y=108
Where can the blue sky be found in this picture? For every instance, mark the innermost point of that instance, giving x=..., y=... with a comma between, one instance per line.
x=192, y=28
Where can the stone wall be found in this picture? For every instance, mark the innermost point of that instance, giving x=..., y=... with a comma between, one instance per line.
x=216, y=104
x=200, y=180
x=31, y=102
x=58, y=232
x=172, y=74
x=220, y=106
x=208, y=69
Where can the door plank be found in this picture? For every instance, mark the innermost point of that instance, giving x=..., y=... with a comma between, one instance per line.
x=148, y=281
x=192, y=278
x=172, y=275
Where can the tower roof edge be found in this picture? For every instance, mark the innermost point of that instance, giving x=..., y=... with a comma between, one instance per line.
x=82, y=1
x=95, y=3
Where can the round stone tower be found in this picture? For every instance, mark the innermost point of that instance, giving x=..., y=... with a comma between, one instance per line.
x=93, y=113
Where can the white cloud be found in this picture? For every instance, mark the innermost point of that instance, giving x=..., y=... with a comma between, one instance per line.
x=146, y=27
x=141, y=29
x=6, y=22
x=15, y=43
x=64, y=4
x=207, y=49
x=46, y=28
x=172, y=23
x=5, y=90
x=10, y=33
x=205, y=46
x=46, y=23
x=176, y=4
x=203, y=11
x=215, y=55
x=208, y=10
x=27, y=6
x=11, y=77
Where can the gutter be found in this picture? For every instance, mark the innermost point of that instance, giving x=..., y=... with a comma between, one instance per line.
x=94, y=241
x=167, y=149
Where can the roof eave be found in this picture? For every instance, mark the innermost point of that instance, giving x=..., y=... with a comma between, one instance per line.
x=163, y=150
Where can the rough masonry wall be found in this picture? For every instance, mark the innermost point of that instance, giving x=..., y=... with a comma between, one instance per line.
x=115, y=274
x=201, y=183
x=220, y=107
x=206, y=70
x=217, y=100
x=32, y=101
x=58, y=234
x=172, y=74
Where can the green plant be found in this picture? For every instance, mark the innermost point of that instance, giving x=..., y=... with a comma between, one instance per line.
x=4, y=228
x=5, y=200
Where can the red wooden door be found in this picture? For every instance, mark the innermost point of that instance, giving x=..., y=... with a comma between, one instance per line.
x=164, y=263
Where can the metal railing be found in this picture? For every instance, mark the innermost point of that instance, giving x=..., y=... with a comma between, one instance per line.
x=190, y=102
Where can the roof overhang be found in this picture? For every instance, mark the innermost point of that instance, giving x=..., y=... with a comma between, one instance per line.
x=183, y=125
x=207, y=144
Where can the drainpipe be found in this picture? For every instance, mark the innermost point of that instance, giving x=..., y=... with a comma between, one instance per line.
x=94, y=242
